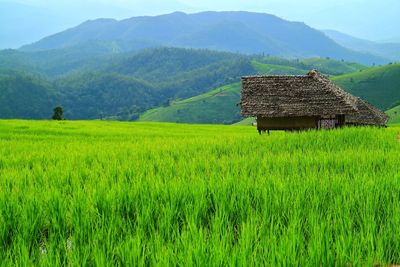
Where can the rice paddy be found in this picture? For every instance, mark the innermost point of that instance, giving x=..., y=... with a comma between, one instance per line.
x=144, y=194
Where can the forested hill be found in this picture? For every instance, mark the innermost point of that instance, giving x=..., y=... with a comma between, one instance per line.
x=110, y=86
x=243, y=32
x=121, y=86
x=24, y=95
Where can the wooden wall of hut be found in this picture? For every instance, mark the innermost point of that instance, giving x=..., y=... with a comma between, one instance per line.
x=287, y=123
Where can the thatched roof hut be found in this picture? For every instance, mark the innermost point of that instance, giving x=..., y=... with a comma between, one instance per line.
x=281, y=96
x=303, y=102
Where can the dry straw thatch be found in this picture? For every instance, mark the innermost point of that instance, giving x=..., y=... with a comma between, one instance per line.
x=367, y=115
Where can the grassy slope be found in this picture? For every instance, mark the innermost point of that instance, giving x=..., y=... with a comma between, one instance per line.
x=394, y=114
x=217, y=106
x=164, y=194
x=324, y=65
x=245, y=122
x=334, y=67
x=379, y=85
x=270, y=69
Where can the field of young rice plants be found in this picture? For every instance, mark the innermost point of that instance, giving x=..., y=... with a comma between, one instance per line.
x=109, y=193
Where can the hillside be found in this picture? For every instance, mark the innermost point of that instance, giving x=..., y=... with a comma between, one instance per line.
x=125, y=85
x=246, y=122
x=117, y=87
x=386, y=50
x=148, y=63
x=146, y=80
x=301, y=66
x=394, y=115
x=25, y=96
x=183, y=73
x=271, y=69
x=332, y=67
x=101, y=95
x=378, y=85
x=215, y=107
x=243, y=32
x=122, y=85
x=219, y=106
x=60, y=62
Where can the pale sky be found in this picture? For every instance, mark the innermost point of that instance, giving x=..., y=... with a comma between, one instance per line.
x=28, y=20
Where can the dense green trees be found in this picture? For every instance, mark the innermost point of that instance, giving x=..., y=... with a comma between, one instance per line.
x=25, y=96
x=104, y=85
x=120, y=86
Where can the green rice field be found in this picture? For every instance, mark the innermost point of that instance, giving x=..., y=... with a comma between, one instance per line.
x=151, y=194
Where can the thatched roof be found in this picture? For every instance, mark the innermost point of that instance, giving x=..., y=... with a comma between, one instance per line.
x=294, y=96
x=367, y=115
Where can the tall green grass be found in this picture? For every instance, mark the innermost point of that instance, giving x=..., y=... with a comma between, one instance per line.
x=102, y=193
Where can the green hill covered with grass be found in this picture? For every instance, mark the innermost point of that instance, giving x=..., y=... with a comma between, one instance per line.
x=217, y=106
x=378, y=85
x=324, y=65
x=271, y=69
x=331, y=66
x=246, y=122
x=394, y=115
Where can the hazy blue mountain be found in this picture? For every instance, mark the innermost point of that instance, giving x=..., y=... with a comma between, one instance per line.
x=23, y=23
x=391, y=40
x=387, y=50
x=58, y=62
x=244, y=32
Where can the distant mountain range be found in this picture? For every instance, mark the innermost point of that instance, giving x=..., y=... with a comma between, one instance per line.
x=392, y=40
x=386, y=50
x=242, y=32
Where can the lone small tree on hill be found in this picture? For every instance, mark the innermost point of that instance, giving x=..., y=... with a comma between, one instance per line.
x=58, y=113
